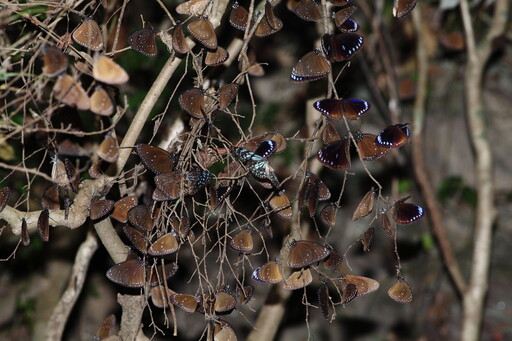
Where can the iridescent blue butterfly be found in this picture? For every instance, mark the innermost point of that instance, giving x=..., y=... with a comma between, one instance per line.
x=197, y=179
x=257, y=160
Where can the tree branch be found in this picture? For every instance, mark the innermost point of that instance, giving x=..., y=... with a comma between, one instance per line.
x=478, y=56
x=420, y=168
x=60, y=315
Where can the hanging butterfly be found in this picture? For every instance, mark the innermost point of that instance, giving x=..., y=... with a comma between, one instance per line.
x=394, y=136
x=144, y=41
x=197, y=179
x=257, y=161
x=342, y=46
x=349, y=26
x=336, y=155
x=342, y=15
x=352, y=109
x=403, y=7
x=407, y=213
x=311, y=67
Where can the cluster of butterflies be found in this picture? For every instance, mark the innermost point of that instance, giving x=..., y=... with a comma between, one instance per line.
x=102, y=69
x=151, y=248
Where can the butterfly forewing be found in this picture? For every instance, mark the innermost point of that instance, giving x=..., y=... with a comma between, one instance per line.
x=71, y=93
x=130, y=273
x=343, y=14
x=339, y=108
x=268, y=273
x=202, y=29
x=364, y=285
x=25, y=237
x=324, y=300
x=101, y=103
x=342, y=46
x=160, y=296
x=156, y=159
x=193, y=7
x=55, y=61
x=365, y=206
x=50, y=199
x=368, y=150
x=242, y=241
x=367, y=239
x=387, y=226
x=312, y=66
x=400, y=292
x=394, y=136
x=403, y=7
x=140, y=217
x=309, y=10
x=328, y=215
x=407, y=213
x=192, y=101
x=179, y=43
x=169, y=184
x=217, y=57
x=100, y=209
x=335, y=155
x=329, y=134
x=144, y=41
x=107, y=328
x=333, y=260
x=304, y=253
x=224, y=302
x=239, y=17
x=226, y=94
x=280, y=204
x=105, y=70
x=164, y=245
x=298, y=279
x=136, y=238
x=88, y=34
x=108, y=150
x=72, y=174
x=43, y=226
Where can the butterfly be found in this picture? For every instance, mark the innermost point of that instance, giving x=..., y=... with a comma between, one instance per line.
x=257, y=161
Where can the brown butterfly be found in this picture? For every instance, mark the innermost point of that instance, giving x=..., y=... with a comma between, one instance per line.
x=311, y=67
x=144, y=41
x=365, y=207
x=179, y=43
x=55, y=61
x=101, y=103
x=239, y=17
x=70, y=92
x=88, y=34
x=217, y=57
x=202, y=30
x=304, y=253
x=105, y=70
x=269, y=24
x=193, y=7
x=298, y=279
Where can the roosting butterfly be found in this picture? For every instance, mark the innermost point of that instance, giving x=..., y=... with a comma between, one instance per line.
x=257, y=161
x=407, y=213
x=144, y=41
x=342, y=46
x=339, y=108
x=394, y=136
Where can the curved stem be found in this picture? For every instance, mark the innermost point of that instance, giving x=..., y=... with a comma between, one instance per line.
x=420, y=168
